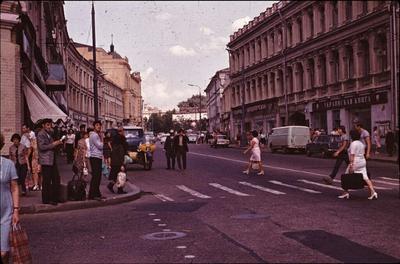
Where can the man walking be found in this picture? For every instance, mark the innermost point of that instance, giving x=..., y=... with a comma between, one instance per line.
x=47, y=160
x=169, y=149
x=181, y=147
x=365, y=138
x=341, y=154
x=96, y=158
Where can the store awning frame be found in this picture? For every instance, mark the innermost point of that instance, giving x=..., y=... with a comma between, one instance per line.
x=40, y=105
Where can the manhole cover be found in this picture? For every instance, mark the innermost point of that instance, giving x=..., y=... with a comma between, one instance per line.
x=164, y=235
x=250, y=216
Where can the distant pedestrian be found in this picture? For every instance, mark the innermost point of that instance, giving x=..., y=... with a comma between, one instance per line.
x=96, y=159
x=255, y=157
x=51, y=178
x=9, y=202
x=377, y=140
x=79, y=134
x=358, y=164
x=389, y=142
x=181, y=148
x=169, y=149
x=118, y=153
x=69, y=146
x=19, y=155
x=341, y=154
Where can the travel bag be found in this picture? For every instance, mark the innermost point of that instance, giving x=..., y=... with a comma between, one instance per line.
x=76, y=189
x=352, y=181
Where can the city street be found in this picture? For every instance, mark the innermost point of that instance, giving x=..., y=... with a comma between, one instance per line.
x=223, y=216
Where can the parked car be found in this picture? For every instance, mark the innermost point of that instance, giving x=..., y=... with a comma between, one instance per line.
x=324, y=145
x=193, y=138
x=222, y=141
x=289, y=138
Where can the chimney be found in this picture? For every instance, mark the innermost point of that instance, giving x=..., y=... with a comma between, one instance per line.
x=112, y=44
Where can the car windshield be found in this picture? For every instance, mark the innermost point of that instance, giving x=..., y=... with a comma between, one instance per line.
x=132, y=133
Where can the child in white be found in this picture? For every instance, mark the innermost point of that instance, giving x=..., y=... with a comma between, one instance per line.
x=121, y=179
x=358, y=163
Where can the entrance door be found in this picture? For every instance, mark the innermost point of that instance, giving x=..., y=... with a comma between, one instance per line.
x=364, y=117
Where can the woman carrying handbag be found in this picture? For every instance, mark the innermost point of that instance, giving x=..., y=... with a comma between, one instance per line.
x=255, y=158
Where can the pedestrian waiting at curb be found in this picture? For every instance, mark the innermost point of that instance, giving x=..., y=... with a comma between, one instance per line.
x=9, y=202
x=19, y=155
x=118, y=152
x=341, y=154
x=358, y=164
x=255, y=157
x=69, y=146
x=96, y=159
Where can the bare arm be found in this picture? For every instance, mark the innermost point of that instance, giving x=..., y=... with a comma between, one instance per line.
x=15, y=198
x=250, y=147
x=342, y=147
x=351, y=159
x=368, y=140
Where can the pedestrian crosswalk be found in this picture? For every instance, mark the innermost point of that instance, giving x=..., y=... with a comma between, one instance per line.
x=274, y=187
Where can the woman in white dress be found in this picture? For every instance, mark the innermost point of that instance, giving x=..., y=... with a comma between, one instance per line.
x=255, y=157
x=358, y=164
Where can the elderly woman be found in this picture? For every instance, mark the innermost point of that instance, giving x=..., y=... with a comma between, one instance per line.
x=19, y=155
x=9, y=201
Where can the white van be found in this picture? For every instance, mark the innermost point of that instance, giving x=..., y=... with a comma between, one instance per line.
x=289, y=138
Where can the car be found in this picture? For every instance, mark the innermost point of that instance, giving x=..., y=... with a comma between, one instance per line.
x=289, y=138
x=149, y=136
x=134, y=136
x=222, y=141
x=324, y=145
x=193, y=138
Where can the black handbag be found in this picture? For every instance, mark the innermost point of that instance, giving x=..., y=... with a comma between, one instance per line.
x=76, y=189
x=352, y=181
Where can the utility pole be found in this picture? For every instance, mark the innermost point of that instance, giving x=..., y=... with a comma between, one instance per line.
x=95, y=93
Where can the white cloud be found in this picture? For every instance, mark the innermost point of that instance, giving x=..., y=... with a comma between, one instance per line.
x=213, y=44
x=238, y=23
x=163, y=16
x=181, y=51
x=145, y=75
x=206, y=31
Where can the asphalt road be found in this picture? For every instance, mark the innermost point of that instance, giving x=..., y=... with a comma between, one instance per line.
x=223, y=216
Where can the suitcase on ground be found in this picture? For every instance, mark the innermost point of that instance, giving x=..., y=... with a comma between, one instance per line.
x=352, y=181
x=76, y=189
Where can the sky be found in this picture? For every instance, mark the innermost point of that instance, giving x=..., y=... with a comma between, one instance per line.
x=171, y=43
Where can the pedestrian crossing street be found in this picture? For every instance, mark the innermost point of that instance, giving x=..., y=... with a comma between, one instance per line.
x=308, y=186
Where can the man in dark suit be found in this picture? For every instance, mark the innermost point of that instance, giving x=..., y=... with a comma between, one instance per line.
x=51, y=178
x=169, y=149
x=181, y=148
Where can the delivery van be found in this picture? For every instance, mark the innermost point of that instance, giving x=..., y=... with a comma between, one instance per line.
x=289, y=138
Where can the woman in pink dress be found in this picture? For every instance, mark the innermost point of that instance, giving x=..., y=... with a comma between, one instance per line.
x=255, y=157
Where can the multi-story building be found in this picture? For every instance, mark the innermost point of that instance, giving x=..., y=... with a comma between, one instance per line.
x=315, y=63
x=214, y=93
x=118, y=70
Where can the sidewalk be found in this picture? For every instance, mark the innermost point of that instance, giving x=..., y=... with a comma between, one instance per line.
x=32, y=203
x=382, y=157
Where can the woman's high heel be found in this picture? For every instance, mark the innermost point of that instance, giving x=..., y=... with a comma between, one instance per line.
x=260, y=173
x=373, y=196
x=246, y=172
x=344, y=196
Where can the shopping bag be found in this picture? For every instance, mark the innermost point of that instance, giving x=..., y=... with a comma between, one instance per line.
x=20, y=252
x=352, y=181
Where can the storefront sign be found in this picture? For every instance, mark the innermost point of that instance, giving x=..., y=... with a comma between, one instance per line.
x=350, y=102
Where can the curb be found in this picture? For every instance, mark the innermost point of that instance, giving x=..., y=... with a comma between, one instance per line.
x=76, y=205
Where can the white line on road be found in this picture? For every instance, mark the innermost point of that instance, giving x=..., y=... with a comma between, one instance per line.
x=266, y=166
x=261, y=188
x=163, y=198
x=388, y=183
x=294, y=187
x=192, y=192
x=391, y=179
x=375, y=187
x=320, y=184
x=229, y=190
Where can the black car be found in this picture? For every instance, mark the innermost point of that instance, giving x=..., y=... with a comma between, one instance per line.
x=324, y=145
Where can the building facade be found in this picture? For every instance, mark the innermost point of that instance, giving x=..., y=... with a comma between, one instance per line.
x=314, y=63
x=214, y=93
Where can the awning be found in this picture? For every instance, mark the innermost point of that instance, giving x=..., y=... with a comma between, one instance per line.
x=40, y=105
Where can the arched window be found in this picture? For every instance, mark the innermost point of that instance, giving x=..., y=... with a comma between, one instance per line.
x=335, y=15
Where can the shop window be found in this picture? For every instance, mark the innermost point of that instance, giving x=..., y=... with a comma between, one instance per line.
x=335, y=15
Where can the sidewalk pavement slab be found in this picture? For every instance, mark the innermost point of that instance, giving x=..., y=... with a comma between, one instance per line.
x=32, y=203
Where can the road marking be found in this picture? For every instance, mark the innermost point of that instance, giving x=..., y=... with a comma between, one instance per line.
x=229, y=190
x=320, y=184
x=192, y=192
x=181, y=247
x=163, y=198
x=375, y=187
x=152, y=214
x=261, y=188
x=157, y=220
x=391, y=179
x=294, y=187
x=162, y=224
x=266, y=166
x=166, y=230
x=189, y=256
x=383, y=182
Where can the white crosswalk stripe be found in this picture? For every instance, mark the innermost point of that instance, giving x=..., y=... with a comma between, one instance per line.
x=383, y=182
x=375, y=187
x=164, y=198
x=294, y=187
x=261, y=188
x=320, y=184
x=390, y=179
x=229, y=190
x=192, y=192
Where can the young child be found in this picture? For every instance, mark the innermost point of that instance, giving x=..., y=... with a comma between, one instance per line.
x=121, y=179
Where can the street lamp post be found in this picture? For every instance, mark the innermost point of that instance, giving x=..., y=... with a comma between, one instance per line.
x=195, y=85
x=95, y=94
